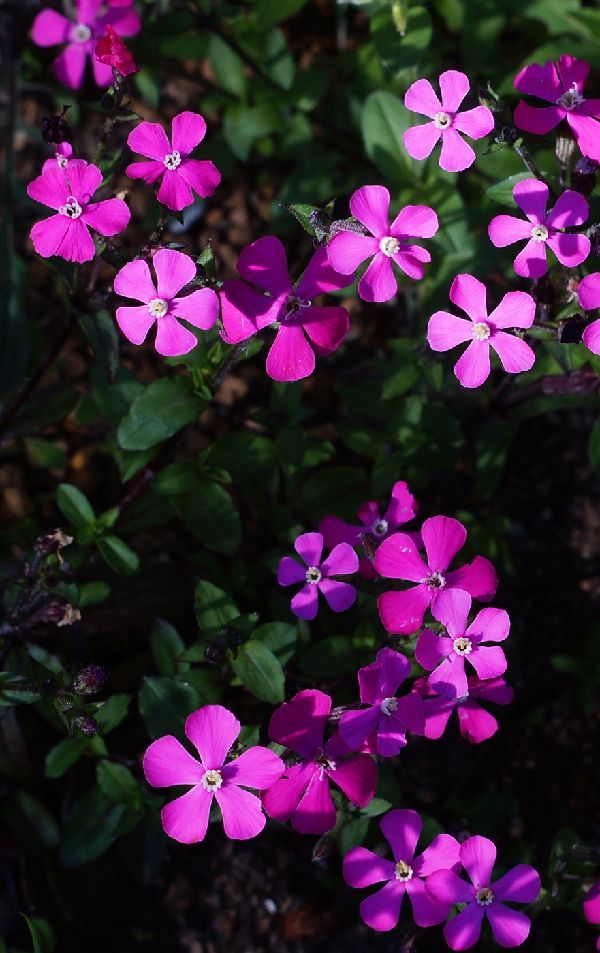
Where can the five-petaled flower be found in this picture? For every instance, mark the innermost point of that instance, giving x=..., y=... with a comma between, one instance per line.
x=475, y=723
x=303, y=794
x=92, y=17
x=212, y=730
x=399, y=558
x=589, y=299
x=387, y=242
x=542, y=229
x=447, y=123
x=591, y=907
x=246, y=310
x=317, y=575
x=484, y=897
x=561, y=84
x=161, y=304
x=181, y=176
x=404, y=875
x=70, y=192
x=483, y=331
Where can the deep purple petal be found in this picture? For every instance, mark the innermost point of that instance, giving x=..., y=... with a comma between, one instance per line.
x=357, y=778
x=478, y=856
x=510, y=927
x=300, y=723
x=363, y=868
x=290, y=358
x=315, y=813
x=339, y=596
x=462, y=932
x=520, y=885
x=305, y=604
x=402, y=829
x=381, y=911
x=290, y=571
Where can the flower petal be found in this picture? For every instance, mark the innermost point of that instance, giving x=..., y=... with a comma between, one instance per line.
x=342, y=561
x=473, y=367
x=420, y=141
x=478, y=578
x=446, y=886
x=135, y=322
x=539, y=120
x=305, y=603
x=378, y=282
x=515, y=355
x=497, y=690
x=449, y=679
x=326, y=328
x=371, y=206
x=489, y=661
x=421, y=98
x=397, y=557
x=591, y=336
x=443, y=537
x=166, y=762
x=475, y=723
x=571, y=250
x=470, y=295
x=456, y=155
x=108, y=217
x=381, y=911
x=264, y=263
x=290, y=358
x=491, y=625
x=309, y=547
x=300, y=723
x=510, y=927
x=281, y=799
x=186, y=818
x=475, y=123
x=69, y=65
x=417, y=221
x=585, y=129
x=452, y=607
x=516, y=310
x=402, y=612
x=363, y=868
x=174, y=192
x=454, y=86
x=242, y=812
x=135, y=281
x=202, y=176
x=394, y=669
x=187, y=131
x=316, y=812
x=290, y=571
x=257, y=767
x=589, y=292
x=50, y=28
x=357, y=778
x=339, y=596
x=212, y=730
x=531, y=196
x=445, y=331
x=431, y=649
x=149, y=139
x=48, y=235
x=506, y=229
x=200, y=308
x=426, y=912
x=442, y=854
x=173, y=270
x=50, y=188
x=149, y=171
x=541, y=81
x=245, y=311
x=319, y=277
x=409, y=260
x=571, y=209
x=462, y=932
x=369, y=680
x=520, y=885
x=402, y=829
x=356, y=726
x=172, y=339
x=478, y=856
x=531, y=262
x=347, y=250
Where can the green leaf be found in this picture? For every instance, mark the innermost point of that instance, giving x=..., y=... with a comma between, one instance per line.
x=90, y=829
x=46, y=453
x=41, y=821
x=228, y=67
x=269, y=12
x=338, y=490
x=210, y=514
x=17, y=690
x=214, y=608
x=329, y=657
x=101, y=332
x=279, y=637
x=401, y=44
x=164, y=705
x=63, y=755
x=278, y=61
x=384, y=120
x=242, y=127
x=502, y=192
x=75, y=506
x=259, y=670
x=42, y=934
x=163, y=408
x=166, y=645
x=117, y=555
x=112, y=712
x=118, y=783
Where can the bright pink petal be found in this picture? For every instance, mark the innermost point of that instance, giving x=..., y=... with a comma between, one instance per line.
x=174, y=192
x=426, y=912
x=421, y=98
x=363, y=868
x=589, y=292
x=76, y=243
x=541, y=81
x=506, y=229
x=469, y=294
x=402, y=829
x=452, y=607
x=442, y=854
x=456, y=155
x=539, y=120
x=591, y=336
x=305, y=604
x=347, y=250
x=200, y=308
x=187, y=131
x=135, y=322
x=341, y=561
x=475, y=723
x=437, y=716
x=454, y=87
x=290, y=571
x=149, y=171
x=356, y=726
x=515, y=355
x=402, y=506
x=381, y=911
x=473, y=368
x=173, y=270
x=69, y=65
x=445, y=331
x=108, y=218
x=300, y=723
x=516, y=310
x=378, y=282
x=245, y=311
x=520, y=885
x=186, y=818
x=591, y=903
x=257, y=767
x=531, y=196
x=50, y=28
x=572, y=71
x=371, y=206
x=431, y=649
x=586, y=130
x=445, y=886
x=47, y=236
x=398, y=558
x=84, y=179
x=315, y=813
x=166, y=762
x=243, y=817
x=291, y=358
x=409, y=260
x=339, y=596
x=88, y=11
x=212, y=730
x=326, y=328
x=369, y=680
x=420, y=141
x=443, y=537
x=319, y=277
x=149, y=139
x=357, y=778
x=475, y=123
x=172, y=339
x=281, y=799
x=395, y=667
x=571, y=209
x=126, y=22
x=531, y=262
x=571, y=250
x=103, y=75
x=50, y=188
x=510, y=927
x=201, y=175
x=489, y=661
x=449, y=678
x=419, y=221
x=478, y=856
x=135, y=281
x=402, y=612
x=264, y=264
x=462, y=932
x=491, y=625
x=309, y=547
x=478, y=578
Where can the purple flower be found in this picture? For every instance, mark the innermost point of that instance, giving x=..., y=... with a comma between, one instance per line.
x=445, y=655
x=447, y=122
x=303, y=794
x=246, y=310
x=91, y=20
x=404, y=875
x=484, y=897
x=589, y=299
x=316, y=575
x=483, y=331
x=561, y=84
x=387, y=242
x=381, y=727
x=475, y=723
x=212, y=730
x=399, y=558
x=542, y=228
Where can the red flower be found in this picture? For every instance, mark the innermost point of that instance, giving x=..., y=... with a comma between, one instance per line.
x=111, y=51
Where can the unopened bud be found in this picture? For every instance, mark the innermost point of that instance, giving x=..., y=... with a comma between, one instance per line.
x=90, y=680
x=56, y=129
x=570, y=330
x=508, y=134
x=323, y=847
x=369, y=544
x=543, y=291
x=347, y=225
x=488, y=98
x=216, y=651
x=86, y=724
x=55, y=612
x=583, y=176
x=565, y=149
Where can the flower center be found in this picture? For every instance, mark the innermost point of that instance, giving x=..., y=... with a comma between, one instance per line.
x=484, y=897
x=571, y=98
x=158, y=307
x=539, y=233
x=389, y=246
x=481, y=330
x=212, y=780
x=403, y=871
x=442, y=120
x=81, y=33
x=61, y=161
x=71, y=208
x=389, y=705
x=313, y=575
x=324, y=764
x=463, y=645
x=380, y=528
x=172, y=160
x=294, y=304
x=435, y=580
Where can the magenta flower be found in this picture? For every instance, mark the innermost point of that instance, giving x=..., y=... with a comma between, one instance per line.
x=317, y=575
x=404, y=875
x=542, y=228
x=445, y=655
x=591, y=907
x=484, y=897
x=387, y=242
x=475, y=723
x=212, y=730
x=303, y=794
x=161, y=304
x=399, y=558
x=181, y=176
x=70, y=192
x=246, y=310
x=80, y=36
x=483, y=331
x=589, y=299
x=562, y=85
x=447, y=122
x=381, y=727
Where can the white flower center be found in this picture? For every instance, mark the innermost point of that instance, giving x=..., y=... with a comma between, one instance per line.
x=212, y=780
x=539, y=233
x=81, y=33
x=293, y=304
x=484, y=897
x=442, y=120
x=403, y=871
x=325, y=765
x=172, y=160
x=463, y=645
x=71, y=208
x=389, y=246
x=313, y=575
x=380, y=528
x=389, y=705
x=435, y=580
x=158, y=307
x=571, y=98
x=61, y=161
x=481, y=330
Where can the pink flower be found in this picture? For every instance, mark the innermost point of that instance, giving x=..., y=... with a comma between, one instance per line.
x=475, y=723
x=317, y=575
x=542, y=229
x=399, y=558
x=161, y=304
x=484, y=897
x=181, y=176
x=384, y=723
x=246, y=311
x=401, y=509
x=61, y=158
x=70, y=191
x=303, y=794
x=386, y=243
x=589, y=299
x=404, y=875
x=483, y=331
x=212, y=730
x=91, y=19
x=562, y=85
x=447, y=121
x=111, y=51
x=591, y=906
x=445, y=655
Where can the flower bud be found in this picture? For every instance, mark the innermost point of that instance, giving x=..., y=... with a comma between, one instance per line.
x=583, y=176
x=565, y=149
x=86, y=724
x=54, y=612
x=90, y=680
x=571, y=329
x=56, y=129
